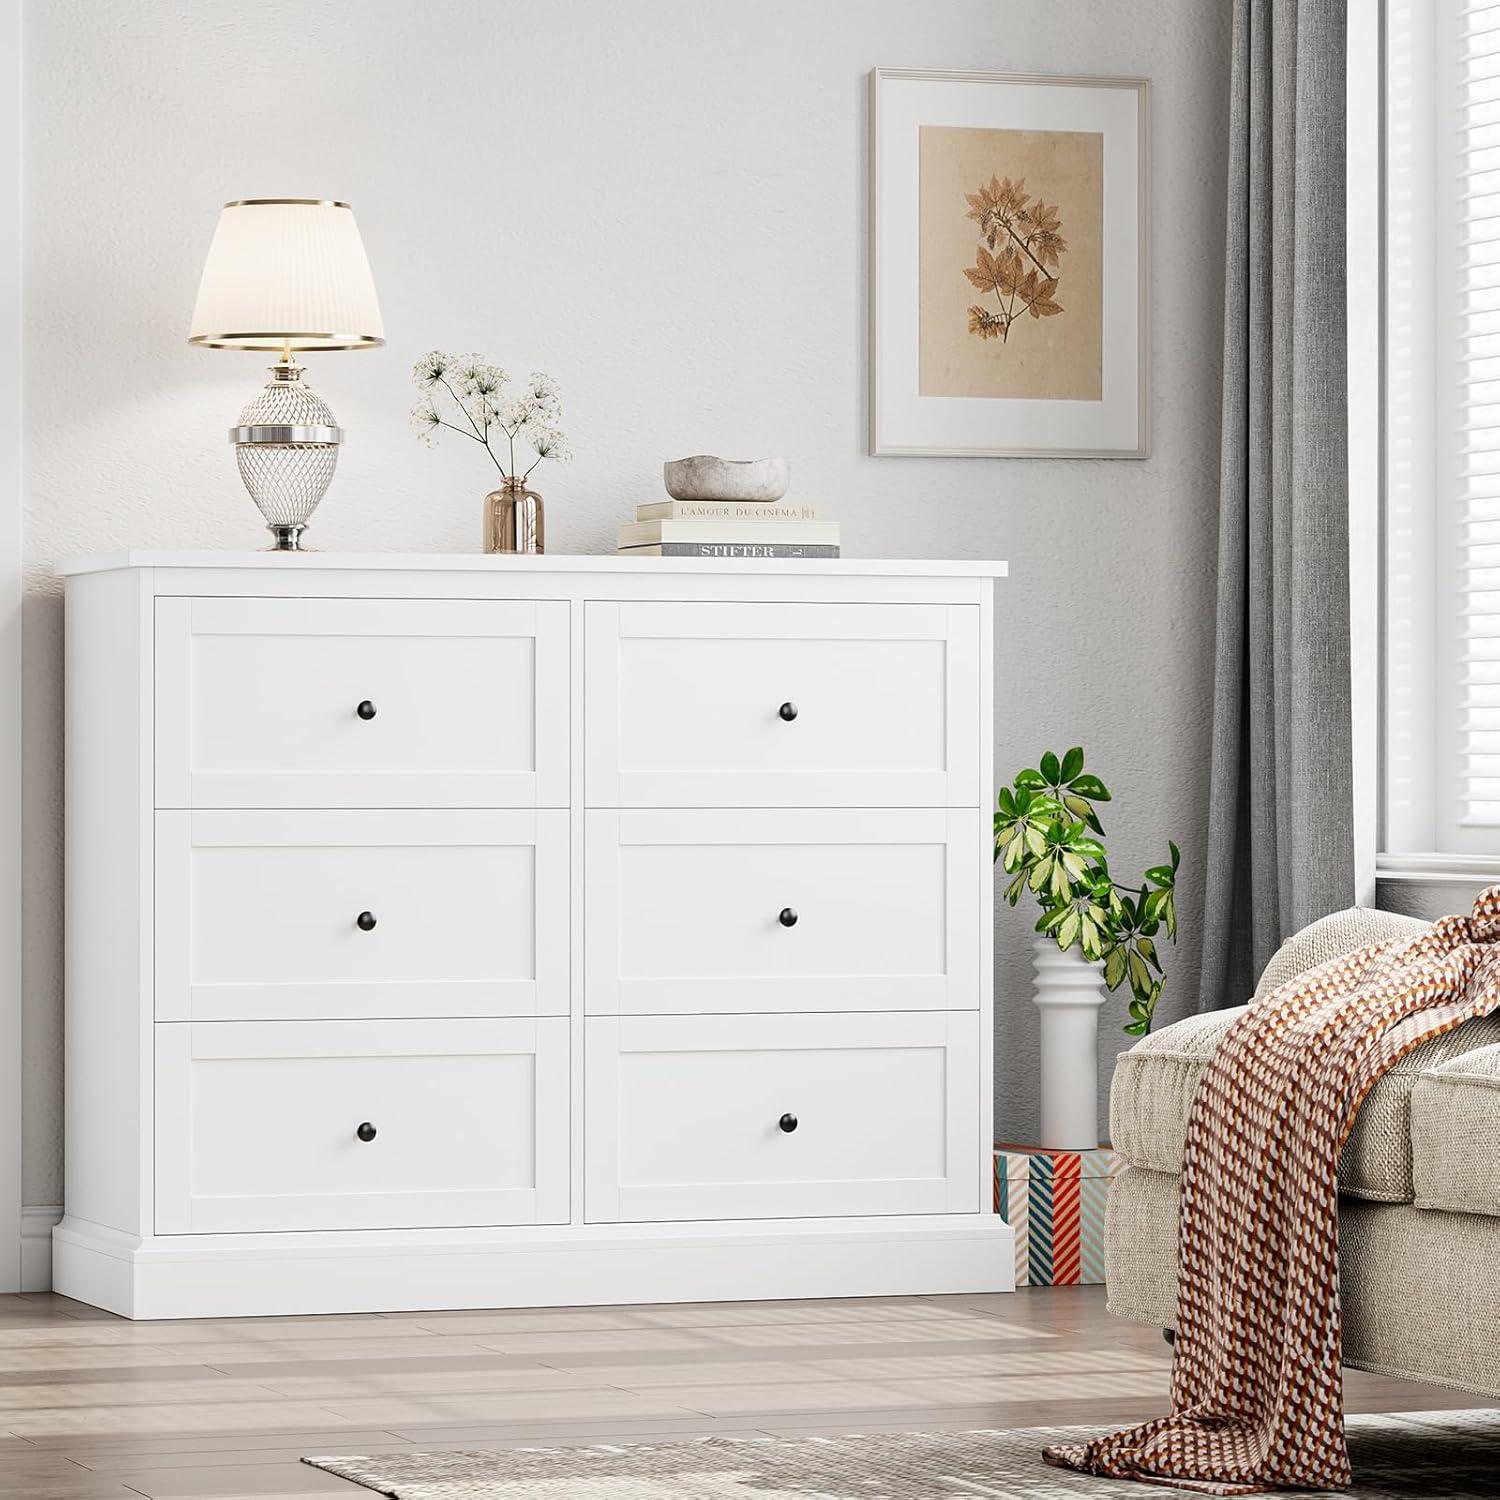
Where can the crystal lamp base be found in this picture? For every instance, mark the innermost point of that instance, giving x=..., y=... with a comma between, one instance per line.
x=286, y=446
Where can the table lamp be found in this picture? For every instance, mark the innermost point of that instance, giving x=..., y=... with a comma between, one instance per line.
x=286, y=274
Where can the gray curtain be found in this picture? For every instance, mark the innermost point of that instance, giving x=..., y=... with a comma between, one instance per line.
x=1280, y=835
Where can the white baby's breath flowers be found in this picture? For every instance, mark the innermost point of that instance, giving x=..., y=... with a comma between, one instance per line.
x=519, y=413
x=468, y=394
x=431, y=368
x=465, y=367
x=426, y=421
x=483, y=380
x=541, y=391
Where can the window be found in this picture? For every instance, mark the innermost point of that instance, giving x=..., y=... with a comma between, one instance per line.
x=1467, y=338
x=1441, y=565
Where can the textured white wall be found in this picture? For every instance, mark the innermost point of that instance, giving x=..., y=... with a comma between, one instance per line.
x=663, y=203
x=1428, y=899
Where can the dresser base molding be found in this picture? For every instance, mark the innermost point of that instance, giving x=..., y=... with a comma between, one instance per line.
x=227, y=1276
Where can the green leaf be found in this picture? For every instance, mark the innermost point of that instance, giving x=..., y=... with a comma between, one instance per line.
x=1023, y=799
x=1068, y=929
x=1060, y=887
x=1136, y=1028
x=1051, y=770
x=1147, y=949
x=1176, y=854
x=1085, y=845
x=1051, y=917
x=1006, y=802
x=1114, y=967
x=1041, y=872
x=1074, y=866
x=1161, y=875
x=1169, y=915
x=1072, y=763
x=1081, y=809
x=1029, y=780
x=1140, y=975
x=1138, y=1010
x=1091, y=787
x=1013, y=891
x=1088, y=937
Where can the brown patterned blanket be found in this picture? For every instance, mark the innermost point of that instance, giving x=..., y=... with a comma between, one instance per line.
x=1257, y=1383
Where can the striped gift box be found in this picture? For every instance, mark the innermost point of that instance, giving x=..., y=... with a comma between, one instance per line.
x=1054, y=1200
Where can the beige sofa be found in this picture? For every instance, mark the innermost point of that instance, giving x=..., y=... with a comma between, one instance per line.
x=1419, y=1183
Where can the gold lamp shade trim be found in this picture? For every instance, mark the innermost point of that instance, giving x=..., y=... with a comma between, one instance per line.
x=303, y=202
x=279, y=341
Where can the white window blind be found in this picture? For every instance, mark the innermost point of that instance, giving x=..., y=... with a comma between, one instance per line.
x=1467, y=338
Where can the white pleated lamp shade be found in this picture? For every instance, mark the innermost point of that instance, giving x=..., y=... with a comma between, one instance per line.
x=287, y=271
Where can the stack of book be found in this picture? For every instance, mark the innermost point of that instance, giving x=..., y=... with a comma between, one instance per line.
x=728, y=528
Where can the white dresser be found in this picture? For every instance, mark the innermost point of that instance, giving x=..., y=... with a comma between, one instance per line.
x=467, y=931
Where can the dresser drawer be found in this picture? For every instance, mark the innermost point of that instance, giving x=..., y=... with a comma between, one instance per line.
x=257, y=1124
x=361, y=703
x=692, y=911
x=302, y=915
x=687, y=1116
x=782, y=705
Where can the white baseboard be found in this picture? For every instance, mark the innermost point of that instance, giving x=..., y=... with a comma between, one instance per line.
x=37, y=1224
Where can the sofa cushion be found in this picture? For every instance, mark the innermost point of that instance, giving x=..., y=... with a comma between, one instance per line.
x=1455, y=1133
x=1332, y=937
x=1155, y=1081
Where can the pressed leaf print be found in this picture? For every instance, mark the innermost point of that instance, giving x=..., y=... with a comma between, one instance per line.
x=1017, y=259
x=1010, y=267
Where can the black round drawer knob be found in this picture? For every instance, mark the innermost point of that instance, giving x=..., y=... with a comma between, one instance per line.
x=788, y=711
x=787, y=917
x=788, y=1123
x=366, y=1132
x=365, y=921
x=366, y=710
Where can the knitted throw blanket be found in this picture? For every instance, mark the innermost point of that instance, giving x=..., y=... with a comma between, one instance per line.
x=1257, y=1382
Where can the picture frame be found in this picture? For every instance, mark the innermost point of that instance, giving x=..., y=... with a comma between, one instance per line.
x=1009, y=206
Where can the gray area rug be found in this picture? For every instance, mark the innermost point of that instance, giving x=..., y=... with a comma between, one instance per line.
x=1449, y=1455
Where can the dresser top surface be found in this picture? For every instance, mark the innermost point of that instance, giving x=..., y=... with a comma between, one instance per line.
x=473, y=562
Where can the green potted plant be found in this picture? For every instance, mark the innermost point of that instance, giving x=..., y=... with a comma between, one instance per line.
x=1050, y=841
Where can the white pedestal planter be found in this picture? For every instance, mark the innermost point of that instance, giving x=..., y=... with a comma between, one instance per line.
x=1069, y=993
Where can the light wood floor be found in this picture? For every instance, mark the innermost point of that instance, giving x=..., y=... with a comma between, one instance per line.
x=91, y=1405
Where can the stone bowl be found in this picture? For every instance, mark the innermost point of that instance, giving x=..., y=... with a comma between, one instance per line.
x=707, y=478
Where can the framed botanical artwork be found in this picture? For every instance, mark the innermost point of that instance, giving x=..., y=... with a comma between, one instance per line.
x=1009, y=265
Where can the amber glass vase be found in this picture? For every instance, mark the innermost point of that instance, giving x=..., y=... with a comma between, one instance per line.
x=513, y=518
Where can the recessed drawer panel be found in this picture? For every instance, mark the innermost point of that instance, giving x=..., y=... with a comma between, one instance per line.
x=302, y=915
x=360, y=1125
x=691, y=911
x=782, y=705
x=361, y=703
x=742, y=1117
